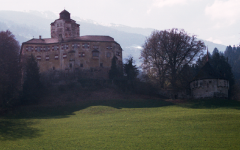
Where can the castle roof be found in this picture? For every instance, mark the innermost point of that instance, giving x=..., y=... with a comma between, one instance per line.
x=86, y=38
x=207, y=72
x=64, y=15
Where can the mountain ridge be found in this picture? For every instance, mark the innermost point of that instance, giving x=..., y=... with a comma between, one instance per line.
x=25, y=25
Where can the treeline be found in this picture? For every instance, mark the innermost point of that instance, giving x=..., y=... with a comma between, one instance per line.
x=172, y=58
x=19, y=81
x=233, y=56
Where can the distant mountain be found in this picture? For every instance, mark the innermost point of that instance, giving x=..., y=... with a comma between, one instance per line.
x=26, y=25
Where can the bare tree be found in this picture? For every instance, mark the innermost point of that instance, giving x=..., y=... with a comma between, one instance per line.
x=10, y=71
x=166, y=52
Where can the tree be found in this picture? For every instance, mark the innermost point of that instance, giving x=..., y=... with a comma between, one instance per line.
x=166, y=52
x=220, y=64
x=129, y=69
x=233, y=58
x=115, y=71
x=10, y=69
x=32, y=85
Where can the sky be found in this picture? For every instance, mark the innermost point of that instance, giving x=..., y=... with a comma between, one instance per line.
x=213, y=20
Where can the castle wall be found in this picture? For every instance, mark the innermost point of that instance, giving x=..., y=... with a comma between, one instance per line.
x=209, y=88
x=70, y=56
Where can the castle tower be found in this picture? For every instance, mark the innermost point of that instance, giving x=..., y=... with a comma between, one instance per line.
x=64, y=27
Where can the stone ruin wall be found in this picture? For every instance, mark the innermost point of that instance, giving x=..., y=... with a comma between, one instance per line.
x=209, y=88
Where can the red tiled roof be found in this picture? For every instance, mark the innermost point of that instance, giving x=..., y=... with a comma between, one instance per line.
x=42, y=41
x=92, y=38
x=96, y=38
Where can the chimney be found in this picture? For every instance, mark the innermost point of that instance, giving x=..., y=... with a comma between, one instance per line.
x=40, y=37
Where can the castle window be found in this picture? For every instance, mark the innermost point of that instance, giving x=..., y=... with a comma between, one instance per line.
x=64, y=55
x=108, y=54
x=65, y=46
x=109, y=47
x=38, y=57
x=53, y=68
x=118, y=53
x=70, y=65
x=101, y=64
x=75, y=46
x=37, y=49
x=81, y=54
x=47, y=57
x=95, y=53
x=27, y=48
x=85, y=45
x=56, y=56
x=55, y=47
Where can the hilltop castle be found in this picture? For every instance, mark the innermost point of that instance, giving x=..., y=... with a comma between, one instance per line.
x=67, y=51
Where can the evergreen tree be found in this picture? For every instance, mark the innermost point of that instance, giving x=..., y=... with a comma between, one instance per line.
x=115, y=71
x=220, y=64
x=32, y=85
x=233, y=58
x=130, y=70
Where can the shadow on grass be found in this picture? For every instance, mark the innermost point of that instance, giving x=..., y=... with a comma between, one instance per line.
x=13, y=129
x=211, y=104
x=64, y=111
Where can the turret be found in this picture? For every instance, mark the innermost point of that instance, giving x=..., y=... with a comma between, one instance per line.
x=64, y=15
x=64, y=27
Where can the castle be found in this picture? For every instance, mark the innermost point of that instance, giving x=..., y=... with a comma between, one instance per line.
x=208, y=84
x=67, y=51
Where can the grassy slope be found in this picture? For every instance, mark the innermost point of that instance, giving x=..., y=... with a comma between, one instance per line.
x=121, y=125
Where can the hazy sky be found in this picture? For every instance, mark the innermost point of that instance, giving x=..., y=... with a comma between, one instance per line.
x=213, y=20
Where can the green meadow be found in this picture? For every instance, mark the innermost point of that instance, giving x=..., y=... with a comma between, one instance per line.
x=123, y=124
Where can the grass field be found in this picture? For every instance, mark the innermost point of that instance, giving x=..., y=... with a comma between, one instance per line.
x=123, y=124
